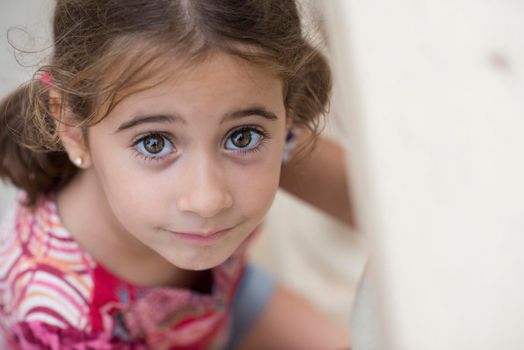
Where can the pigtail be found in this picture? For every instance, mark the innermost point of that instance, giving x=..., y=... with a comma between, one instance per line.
x=26, y=161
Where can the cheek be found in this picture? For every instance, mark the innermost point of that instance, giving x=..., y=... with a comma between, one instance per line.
x=259, y=183
x=143, y=194
x=138, y=206
x=255, y=195
x=132, y=195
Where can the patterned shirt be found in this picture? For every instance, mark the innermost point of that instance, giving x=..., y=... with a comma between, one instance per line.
x=54, y=295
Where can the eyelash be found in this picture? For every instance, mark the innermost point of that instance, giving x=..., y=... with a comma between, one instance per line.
x=149, y=158
x=243, y=152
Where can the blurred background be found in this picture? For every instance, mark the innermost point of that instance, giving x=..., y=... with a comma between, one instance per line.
x=431, y=94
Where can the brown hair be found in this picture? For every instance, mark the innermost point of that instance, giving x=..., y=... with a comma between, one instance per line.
x=94, y=37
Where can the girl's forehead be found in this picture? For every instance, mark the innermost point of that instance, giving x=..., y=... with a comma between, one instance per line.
x=214, y=86
x=166, y=67
x=219, y=73
x=141, y=73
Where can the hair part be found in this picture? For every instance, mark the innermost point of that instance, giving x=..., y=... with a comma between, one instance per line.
x=107, y=50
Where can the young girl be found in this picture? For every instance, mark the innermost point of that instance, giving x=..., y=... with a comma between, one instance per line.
x=149, y=150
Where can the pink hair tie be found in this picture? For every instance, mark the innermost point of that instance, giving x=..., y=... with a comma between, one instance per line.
x=46, y=79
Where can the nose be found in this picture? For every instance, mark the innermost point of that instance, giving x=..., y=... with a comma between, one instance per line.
x=205, y=191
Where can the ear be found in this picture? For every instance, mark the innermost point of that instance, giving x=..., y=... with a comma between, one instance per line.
x=71, y=135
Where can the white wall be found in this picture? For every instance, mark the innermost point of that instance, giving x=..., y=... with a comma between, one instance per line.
x=434, y=97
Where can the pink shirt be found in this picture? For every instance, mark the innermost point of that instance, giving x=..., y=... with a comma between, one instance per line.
x=54, y=295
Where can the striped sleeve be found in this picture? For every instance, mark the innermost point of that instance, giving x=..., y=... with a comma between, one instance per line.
x=44, y=276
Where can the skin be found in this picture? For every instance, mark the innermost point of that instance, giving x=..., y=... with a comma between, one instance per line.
x=153, y=212
x=321, y=179
x=161, y=205
x=291, y=322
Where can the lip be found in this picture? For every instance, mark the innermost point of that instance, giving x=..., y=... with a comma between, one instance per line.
x=201, y=237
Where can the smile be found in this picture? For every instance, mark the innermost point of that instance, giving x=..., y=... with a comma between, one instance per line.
x=201, y=237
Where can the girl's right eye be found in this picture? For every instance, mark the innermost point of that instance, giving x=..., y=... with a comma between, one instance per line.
x=154, y=146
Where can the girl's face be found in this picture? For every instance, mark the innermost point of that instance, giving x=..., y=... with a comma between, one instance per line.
x=191, y=166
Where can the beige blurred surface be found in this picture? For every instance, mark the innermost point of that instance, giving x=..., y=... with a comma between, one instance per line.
x=312, y=254
x=435, y=90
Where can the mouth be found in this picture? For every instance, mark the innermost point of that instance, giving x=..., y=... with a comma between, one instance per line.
x=201, y=237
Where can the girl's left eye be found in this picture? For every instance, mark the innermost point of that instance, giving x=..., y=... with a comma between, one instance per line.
x=154, y=146
x=245, y=139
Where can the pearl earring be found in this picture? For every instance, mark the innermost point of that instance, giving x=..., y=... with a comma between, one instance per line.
x=78, y=161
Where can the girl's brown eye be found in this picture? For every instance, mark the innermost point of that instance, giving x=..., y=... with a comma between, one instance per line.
x=154, y=143
x=245, y=139
x=242, y=138
x=154, y=146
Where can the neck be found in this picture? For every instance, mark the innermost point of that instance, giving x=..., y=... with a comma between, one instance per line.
x=86, y=214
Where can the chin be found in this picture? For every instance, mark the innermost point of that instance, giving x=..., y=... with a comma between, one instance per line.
x=198, y=264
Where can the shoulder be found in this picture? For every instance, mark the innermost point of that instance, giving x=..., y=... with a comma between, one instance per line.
x=44, y=276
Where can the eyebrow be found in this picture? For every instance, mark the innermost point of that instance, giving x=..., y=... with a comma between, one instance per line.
x=251, y=111
x=149, y=119
x=261, y=111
